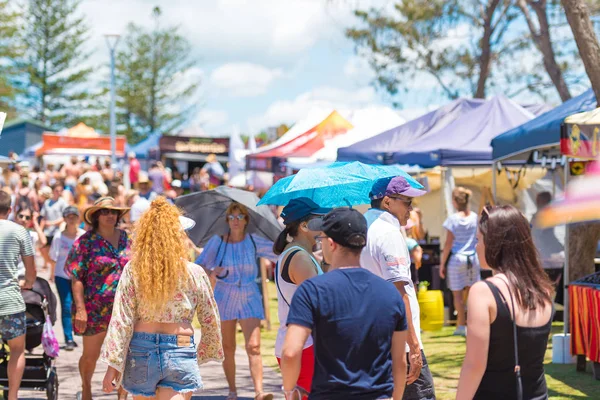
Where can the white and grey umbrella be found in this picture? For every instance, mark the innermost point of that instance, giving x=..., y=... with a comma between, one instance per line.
x=208, y=208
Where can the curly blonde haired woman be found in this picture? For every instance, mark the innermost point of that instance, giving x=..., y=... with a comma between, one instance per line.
x=150, y=346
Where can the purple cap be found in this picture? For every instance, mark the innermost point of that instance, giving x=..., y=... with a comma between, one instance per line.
x=393, y=186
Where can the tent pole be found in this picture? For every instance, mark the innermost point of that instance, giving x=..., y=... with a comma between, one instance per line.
x=553, y=183
x=494, y=165
x=566, y=311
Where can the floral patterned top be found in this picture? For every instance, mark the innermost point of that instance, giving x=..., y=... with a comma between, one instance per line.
x=196, y=298
x=98, y=265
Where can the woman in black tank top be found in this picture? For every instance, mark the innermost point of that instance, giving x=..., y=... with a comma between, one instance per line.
x=492, y=368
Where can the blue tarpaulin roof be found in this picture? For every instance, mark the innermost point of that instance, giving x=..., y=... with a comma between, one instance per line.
x=466, y=141
x=142, y=148
x=382, y=148
x=541, y=132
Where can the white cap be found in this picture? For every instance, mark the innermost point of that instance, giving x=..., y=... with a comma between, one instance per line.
x=131, y=154
x=176, y=183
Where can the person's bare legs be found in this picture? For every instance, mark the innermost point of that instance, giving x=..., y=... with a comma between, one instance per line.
x=251, y=330
x=459, y=305
x=87, y=363
x=228, y=332
x=170, y=394
x=45, y=251
x=16, y=366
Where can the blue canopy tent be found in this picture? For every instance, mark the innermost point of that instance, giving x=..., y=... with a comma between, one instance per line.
x=543, y=132
x=466, y=141
x=142, y=149
x=383, y=148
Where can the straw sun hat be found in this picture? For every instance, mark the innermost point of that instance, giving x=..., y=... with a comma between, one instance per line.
x=103, y=202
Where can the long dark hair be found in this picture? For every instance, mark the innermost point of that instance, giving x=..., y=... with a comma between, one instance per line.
x=509, y=249
x=290, y=229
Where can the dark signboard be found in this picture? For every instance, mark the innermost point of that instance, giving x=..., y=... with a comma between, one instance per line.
x=267, y=164
x=194, y=145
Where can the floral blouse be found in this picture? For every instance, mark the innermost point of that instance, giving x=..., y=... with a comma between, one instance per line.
x=98, y=265
x=197, y=298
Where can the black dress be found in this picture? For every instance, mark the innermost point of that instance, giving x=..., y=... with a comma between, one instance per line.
x=499, y=381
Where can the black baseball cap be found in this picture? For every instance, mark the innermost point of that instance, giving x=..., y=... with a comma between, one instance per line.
x=300, y=208
x=345, y=226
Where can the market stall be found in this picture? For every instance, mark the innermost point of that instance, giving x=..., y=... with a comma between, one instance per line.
x=306, y=144
x=384, y=147
x=80, y=140
x=188, y=152
x=538, y=142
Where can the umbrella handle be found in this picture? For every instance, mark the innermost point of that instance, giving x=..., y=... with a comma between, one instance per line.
x=223, y=276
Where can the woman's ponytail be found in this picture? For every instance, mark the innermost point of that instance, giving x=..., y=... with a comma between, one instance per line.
x=281, y=242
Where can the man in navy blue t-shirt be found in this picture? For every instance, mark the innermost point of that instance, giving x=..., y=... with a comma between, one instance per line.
x=357, y=321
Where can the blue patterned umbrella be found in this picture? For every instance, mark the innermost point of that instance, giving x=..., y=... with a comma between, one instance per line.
x=336, y=185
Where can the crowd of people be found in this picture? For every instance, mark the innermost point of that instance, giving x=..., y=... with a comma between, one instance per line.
x=346, y=289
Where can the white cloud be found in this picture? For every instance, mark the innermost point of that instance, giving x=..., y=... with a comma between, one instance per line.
x=212, y=121
x=357, y=68
x=321, y=98
x=243, y=79
x=225, y=30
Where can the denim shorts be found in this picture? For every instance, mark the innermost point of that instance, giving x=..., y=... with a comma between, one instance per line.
x=155, y=361
x=12, y=326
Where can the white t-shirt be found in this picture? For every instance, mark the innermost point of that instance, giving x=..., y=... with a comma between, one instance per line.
x=59, y=250
x=386, y=255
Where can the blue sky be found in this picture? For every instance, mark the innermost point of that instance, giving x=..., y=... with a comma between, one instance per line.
x=263, y=62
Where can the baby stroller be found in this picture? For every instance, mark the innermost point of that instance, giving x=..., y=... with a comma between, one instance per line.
x=40, y=371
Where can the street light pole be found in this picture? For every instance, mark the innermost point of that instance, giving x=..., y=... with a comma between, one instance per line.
x=111, y=41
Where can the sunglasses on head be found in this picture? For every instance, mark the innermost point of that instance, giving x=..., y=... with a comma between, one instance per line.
x=25, y=217
x=108, y=211
x=234, y=217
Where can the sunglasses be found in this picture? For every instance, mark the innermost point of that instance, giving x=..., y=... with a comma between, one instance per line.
x=108, y=211
x=25, y=217
x=319, y=239
x=405, y=201
x=234, y=217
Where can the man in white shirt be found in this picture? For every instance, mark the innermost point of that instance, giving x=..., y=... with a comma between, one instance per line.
x=386, y=255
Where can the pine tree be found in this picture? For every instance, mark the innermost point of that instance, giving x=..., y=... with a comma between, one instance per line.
x=11, y=49
x=55, y=66
x=153, y=94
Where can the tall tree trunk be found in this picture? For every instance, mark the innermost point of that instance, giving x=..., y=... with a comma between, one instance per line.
x=578, y=15
x=485, y=59
x=583, y=239
x=543, y=42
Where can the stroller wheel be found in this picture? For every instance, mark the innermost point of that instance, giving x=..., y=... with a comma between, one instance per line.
x=52, y=387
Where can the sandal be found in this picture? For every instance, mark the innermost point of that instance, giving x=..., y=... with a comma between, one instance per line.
x=267, y=396
x=231, y=396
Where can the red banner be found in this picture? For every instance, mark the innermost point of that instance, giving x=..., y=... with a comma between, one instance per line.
x=53, y=144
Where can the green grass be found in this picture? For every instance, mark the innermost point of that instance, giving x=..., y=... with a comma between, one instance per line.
x=445, y=354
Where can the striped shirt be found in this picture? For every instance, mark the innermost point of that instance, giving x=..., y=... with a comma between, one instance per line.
x=15, y=243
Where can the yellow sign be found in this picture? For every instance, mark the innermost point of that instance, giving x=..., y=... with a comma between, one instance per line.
x=190, y=147
x=577, y=168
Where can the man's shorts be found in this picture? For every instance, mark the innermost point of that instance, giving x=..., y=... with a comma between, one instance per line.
x=422, y=388
x=12, y=326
